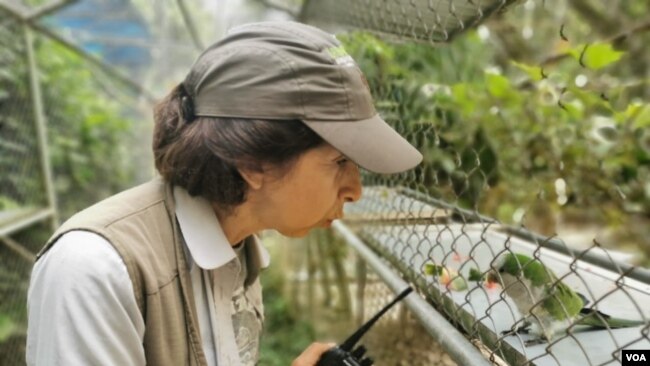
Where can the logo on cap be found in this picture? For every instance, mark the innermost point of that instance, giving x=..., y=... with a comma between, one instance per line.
x=341, y=56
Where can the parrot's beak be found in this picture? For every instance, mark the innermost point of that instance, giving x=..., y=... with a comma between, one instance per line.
x=492, y=277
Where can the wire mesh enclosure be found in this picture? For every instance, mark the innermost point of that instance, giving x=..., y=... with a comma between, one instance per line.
x=423, y=20
x=526, y=226
x=517, y=155
x=440, y=259
x=23, y=184
x=67, y=125
x=23, y=193
x=333, y=288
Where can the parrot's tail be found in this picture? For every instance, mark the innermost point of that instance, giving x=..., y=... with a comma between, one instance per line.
x=597, y=319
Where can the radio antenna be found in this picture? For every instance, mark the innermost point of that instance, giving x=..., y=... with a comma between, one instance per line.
x=349, y=343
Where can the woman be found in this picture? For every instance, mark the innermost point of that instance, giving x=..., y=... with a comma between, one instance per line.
x=265, y=132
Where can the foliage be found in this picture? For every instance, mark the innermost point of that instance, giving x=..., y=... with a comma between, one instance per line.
x=17, y=128
x=89, y=138
x=6, y=327
x=516, y=137
x=90, y=131
x=285, y=335
x=14, y=279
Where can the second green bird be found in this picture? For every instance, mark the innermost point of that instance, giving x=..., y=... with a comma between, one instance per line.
x=549, y=306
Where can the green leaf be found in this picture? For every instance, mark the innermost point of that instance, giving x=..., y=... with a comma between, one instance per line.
x=643, y=118
x=534, y=72
x=575, y=109
x=637, y=112
x=7, y=327
x=498, y=85
x=475, y=275
x=432, y=269
x=461, y=94
x=588, y=98
x=596, y=55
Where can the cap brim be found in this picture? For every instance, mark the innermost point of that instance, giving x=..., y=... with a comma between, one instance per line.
x=371, y=143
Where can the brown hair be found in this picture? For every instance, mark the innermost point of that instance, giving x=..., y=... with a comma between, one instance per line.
x=203, y=155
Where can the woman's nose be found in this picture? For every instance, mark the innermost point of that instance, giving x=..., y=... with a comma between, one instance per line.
x=351, y=189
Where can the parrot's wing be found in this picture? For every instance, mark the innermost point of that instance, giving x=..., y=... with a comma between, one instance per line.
x=585, y=301
x=562, y=302
x=598, y=319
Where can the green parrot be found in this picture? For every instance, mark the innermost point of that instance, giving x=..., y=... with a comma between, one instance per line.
x=549, y=305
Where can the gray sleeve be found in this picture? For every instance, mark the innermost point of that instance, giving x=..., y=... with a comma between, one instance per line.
x=81, y=306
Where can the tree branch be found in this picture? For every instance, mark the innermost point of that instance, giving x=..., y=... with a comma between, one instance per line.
x=617, y=38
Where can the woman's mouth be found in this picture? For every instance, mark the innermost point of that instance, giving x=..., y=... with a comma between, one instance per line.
x=328, y=222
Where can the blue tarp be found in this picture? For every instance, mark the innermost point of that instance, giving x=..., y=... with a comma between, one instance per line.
x=112, y=30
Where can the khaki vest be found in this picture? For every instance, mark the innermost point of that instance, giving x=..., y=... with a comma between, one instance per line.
x=140, y=223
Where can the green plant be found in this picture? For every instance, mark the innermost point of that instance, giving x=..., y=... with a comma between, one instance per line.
x=285, y=334
x=518, y=137
x=91, y=133
x=89, y=139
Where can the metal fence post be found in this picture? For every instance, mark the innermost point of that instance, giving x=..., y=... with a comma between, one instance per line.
x=460, y=349
x=41, y=128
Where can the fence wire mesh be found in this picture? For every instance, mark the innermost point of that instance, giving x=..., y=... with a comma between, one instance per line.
x=92, y=122
x=22, y=188
x=22, y=183
x=331, y=287
x=399, y=339
x=527, y=223
x=541, y=151
x=423, y=20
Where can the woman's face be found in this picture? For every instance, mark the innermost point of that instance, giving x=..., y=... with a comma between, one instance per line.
x=312, y=193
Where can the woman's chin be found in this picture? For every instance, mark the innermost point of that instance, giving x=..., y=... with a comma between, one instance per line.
x=301, y=233
x=296, y=233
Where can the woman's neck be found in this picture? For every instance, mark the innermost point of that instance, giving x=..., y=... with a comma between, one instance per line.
x=237, y=224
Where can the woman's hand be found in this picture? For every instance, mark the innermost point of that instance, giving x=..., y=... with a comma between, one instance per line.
x=312, y=354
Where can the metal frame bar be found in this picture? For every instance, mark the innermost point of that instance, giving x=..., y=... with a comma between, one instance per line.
x=460, y=349
x=18, y=249
x=302, y=14
x=15, y=10
x=31, y=18
x=27, y=221
x=187, y=19
x=285, y=9
x=637, y=273
x=41, y=125
x=47, y=9
x=94, y=60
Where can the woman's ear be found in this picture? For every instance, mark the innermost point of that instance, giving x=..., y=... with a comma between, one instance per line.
x=254, y=177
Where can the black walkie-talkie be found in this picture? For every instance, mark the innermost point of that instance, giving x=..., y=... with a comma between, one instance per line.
x=343, y=355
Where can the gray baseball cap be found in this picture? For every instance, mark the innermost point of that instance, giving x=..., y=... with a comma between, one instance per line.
x=288, y=70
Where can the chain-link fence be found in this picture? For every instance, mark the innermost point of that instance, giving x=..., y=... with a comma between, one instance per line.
x=26, y=187
x=78, y=79
x=24, y=183
x=69, y=127
x=526, y=225
x=421, y=20
x=534, y=129
x=333, y=288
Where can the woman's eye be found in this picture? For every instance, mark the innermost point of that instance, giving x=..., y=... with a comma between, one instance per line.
x=342, y=161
